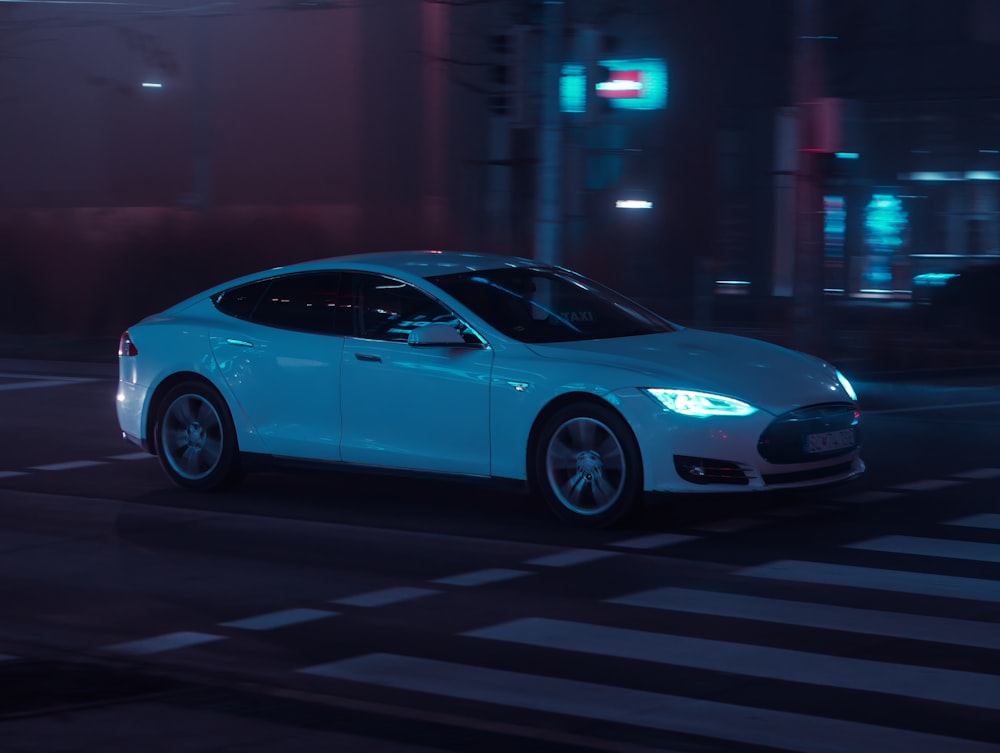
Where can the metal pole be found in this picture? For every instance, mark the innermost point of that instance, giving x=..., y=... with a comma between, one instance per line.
x=548, y=216
x=807, y=329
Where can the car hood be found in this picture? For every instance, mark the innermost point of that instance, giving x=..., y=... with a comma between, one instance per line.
x=767, y=375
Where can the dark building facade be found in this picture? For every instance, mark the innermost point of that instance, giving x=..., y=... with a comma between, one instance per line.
x=413, y=123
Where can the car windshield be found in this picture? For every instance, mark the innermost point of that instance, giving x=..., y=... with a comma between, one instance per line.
x=539, y=305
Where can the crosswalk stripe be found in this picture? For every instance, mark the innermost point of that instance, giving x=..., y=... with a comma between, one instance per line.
x=69, y=466
x=826, y=616
x=571, y=557
x=133, y=456
x=853, y=576
x=482, y=577
x=38, y=382
x=653, y=540
x=693, y=716
x=927, y=683
x=928, y=547
x=927, y=485
x=160, y=643
x=983, y=520
x=385, y=596
x=979, y=474
x=283, y=618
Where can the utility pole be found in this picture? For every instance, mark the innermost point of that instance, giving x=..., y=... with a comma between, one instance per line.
x=809, y=85
x=548, y=214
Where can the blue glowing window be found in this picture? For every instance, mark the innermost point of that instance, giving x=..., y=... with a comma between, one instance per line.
x=834, y=223
x=639, y=84
x=885, y=232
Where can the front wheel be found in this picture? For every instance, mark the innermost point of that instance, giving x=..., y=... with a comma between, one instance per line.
x=587, y=465
x=196, y=439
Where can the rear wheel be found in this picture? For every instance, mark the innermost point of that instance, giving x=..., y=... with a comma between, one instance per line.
x=587, y=465
x=196, y=439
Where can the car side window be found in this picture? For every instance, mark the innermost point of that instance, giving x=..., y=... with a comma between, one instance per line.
x=241, y=300
x=388, y=309
x=306, y=302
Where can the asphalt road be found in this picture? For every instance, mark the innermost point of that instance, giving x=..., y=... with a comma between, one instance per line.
x=318, y=611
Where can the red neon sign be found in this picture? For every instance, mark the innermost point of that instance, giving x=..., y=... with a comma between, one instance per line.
x=621, y=85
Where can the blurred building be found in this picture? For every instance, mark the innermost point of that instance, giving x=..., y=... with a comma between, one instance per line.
x=416, y=123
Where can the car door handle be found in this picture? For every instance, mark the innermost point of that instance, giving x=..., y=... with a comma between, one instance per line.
x=367, y=357
x=238, y=341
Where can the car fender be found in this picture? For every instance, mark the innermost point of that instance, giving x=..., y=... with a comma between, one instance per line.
x=191, y=356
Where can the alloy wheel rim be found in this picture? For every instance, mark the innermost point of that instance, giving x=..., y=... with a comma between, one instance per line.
x=191, y=436
x=585, y=465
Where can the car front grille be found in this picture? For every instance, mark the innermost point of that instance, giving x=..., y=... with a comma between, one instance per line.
x=709, y=471
x=787, y=439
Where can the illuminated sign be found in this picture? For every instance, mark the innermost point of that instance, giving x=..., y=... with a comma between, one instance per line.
x=621, y=84
x=638, y=84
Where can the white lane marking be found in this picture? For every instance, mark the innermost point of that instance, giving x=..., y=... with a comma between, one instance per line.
x=870, y=496
x=283, y=618
x=481, y=577
x=826, y=616
x=385, y=596
x=74, y=464
x=571, y=557
x=983, y=520
x=927, y=485
x=37, y=381
x=926, y=683
x=71, y=465
x=653, y=541
x=160, y=643
x=918, y=409
x=16, y=375
x=979, y=474
x=729, y=525
x=132, y=456
x=851, y=576
x=928, y=547
x=641, y=708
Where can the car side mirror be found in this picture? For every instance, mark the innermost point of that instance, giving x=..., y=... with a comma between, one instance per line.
x=435, y=334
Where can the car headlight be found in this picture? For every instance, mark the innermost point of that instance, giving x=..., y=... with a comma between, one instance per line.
x=846, y=385
x=700, y=404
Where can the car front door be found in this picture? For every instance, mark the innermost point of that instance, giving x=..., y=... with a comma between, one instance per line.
x=411, y=406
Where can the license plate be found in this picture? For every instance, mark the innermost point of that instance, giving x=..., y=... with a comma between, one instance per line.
x=828, y=441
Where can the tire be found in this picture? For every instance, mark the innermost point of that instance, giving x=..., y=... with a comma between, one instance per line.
x=196, y=439
x=587, y=466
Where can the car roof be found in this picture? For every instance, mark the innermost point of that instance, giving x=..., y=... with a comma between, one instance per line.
x=419, y=263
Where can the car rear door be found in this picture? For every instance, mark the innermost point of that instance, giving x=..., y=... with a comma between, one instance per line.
x=281, y=359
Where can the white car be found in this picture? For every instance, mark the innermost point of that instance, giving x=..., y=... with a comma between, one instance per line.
x=479, y=366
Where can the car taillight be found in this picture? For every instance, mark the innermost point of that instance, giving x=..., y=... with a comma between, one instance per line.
x=125, y=345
